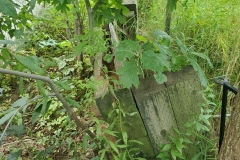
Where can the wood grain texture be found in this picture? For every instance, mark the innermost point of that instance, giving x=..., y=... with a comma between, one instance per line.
x=169, y=105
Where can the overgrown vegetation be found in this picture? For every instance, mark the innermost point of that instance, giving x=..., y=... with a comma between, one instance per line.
x=62, y=44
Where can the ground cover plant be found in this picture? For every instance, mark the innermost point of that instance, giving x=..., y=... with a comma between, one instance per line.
x=63, y=43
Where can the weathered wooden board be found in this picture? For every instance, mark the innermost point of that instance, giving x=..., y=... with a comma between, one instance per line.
x=158, y=108
x=132, y=122
x=169, y=105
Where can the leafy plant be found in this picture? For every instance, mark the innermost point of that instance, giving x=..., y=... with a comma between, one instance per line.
x=200, y=128
x=155, y=56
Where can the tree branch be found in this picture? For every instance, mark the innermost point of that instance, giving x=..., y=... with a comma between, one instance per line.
x=71, y=114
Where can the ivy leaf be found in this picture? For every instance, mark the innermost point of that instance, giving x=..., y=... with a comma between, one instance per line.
x=199, y=70
x=27, y=62
x=8, y=8
x=129, y=74
x=160, y=78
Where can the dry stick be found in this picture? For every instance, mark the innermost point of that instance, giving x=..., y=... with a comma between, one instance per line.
x=72, y=115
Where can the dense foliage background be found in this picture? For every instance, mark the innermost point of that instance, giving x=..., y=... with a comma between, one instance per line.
x=64, y=40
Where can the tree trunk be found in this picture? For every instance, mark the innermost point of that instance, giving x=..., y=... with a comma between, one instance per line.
x=230, y=149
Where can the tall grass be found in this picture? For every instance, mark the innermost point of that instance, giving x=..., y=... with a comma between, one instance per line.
x=211, y=27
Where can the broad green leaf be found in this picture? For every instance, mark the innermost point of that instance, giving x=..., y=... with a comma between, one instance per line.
x=20, y=102
x=18, y=131
x=7, y=117
x=175, y=153
x=61, y=64
x=149, y=60
x=31, y=5
x=113, y=146
x=154, y=61
x=27, y=62
x=80, y=48
x=122, y=55
x=8, y=8
x=14, y=155
x=36, y=113
x=85, y=142
x=129, y=74
x=166, y=147
x=41, y=87
x=163, y=49
x=160, y=78
x=199, y=70
x=172, y=5
x=182, y=46
x=203, y=56
x=44, y=153
x=108, y=58
x=63, y=85
x=135, y=141
x=69, y=142
x=73, y=102
x=125, y=137
x=158, y=34
x=110, y=132
x=163, y=155
x=127, y=49
x=174, y=156
x=46, y=104
x=102, y=154
x=7, y=41
x=141, y=38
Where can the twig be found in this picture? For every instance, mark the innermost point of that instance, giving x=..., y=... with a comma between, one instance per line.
x=71, y=114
